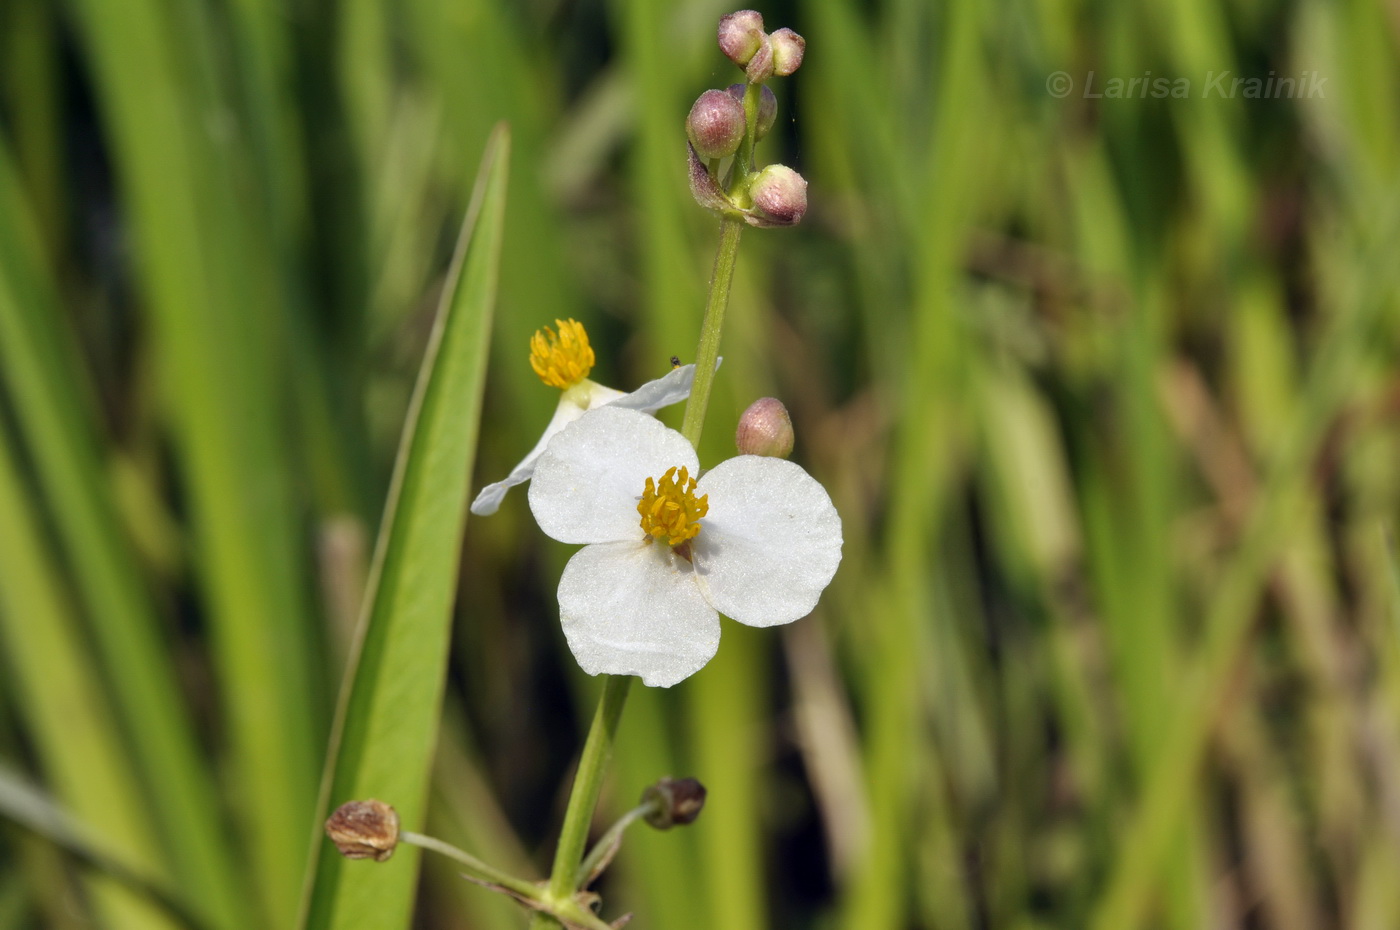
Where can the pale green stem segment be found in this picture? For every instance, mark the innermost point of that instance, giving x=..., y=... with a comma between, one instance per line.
x=475, y=866
x=710, y=328
x=587, y=783
x=602, y=852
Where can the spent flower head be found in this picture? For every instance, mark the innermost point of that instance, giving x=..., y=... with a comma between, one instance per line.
x=364, y=830
x=674, y=802
x=754, y=538
x=563, y=358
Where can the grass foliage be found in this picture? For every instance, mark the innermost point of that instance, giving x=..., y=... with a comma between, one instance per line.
x=1104, y=388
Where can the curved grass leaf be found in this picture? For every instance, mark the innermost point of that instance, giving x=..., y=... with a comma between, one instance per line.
x=386, y=725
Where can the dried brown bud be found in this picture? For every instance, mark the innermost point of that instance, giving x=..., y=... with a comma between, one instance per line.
x=677, y=801
x=765, y=429
x=741, y=35
x=767, y=107
x=788, y=49
x=364, y=830
x=715, y=125
x=780, y=194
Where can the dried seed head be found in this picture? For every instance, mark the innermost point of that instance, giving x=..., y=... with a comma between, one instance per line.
x=741, y=35
x=780, y=194
x=767, y=108
x=788, y=49
x=364, y=830
x=715, y=124
x=765, y=429
x=677, y=801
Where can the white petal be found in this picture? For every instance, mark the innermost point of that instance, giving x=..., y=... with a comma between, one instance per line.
x=589, y=480
x=488, y=500
x=635, y=609
x=673, y=388
x=770, y=543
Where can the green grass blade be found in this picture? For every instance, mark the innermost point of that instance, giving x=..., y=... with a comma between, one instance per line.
x=216, y=315
x=63, y=707
x=41, y=374
x=387, y=723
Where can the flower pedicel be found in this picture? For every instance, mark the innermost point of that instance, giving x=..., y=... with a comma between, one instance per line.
x=563, y=360
x=754, y=538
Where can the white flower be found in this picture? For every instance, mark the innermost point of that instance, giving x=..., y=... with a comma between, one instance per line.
x=756, y=539
x=563, y=360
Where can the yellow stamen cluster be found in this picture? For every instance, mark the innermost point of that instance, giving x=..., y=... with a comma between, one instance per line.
x=670, y=510
x=563, y=359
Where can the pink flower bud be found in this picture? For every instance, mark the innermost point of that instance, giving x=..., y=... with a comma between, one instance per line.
x=741, y=35
x=767, y=108
x=780, y=194
x=760, y=66
x=788, y=49
x=765, y=429
x=715, y=124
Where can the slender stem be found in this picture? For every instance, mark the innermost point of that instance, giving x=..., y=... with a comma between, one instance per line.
x=710, y=328
x=587, y=783
x=474, y=865
x=602, y=852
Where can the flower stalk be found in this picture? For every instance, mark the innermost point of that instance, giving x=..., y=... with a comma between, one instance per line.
x=588, y=782
x=711, y=326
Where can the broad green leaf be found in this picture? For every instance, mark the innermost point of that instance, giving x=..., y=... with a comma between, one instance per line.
x=385, y=730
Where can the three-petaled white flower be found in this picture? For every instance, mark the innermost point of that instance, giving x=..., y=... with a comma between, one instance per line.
x=563, y=360
x=756, y=539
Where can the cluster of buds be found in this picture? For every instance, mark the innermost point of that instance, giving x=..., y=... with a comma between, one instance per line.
x=718, y=125
x=743, y=41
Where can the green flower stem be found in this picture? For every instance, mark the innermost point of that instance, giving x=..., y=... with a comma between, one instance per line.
x=708, y=351
x=602, y=852
x=479, y=869
x=584, y=798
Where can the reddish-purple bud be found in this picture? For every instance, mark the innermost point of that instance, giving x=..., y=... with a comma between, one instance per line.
x=364, y=830
x=780, y=195
x=715, y=124
x=788, y=49
x=741, y=35
x=767, y=107
x=703, y=188
x=760, y=66
x=765, y=429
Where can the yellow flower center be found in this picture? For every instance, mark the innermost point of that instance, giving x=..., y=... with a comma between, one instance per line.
x=670, y=510
x=561, y=359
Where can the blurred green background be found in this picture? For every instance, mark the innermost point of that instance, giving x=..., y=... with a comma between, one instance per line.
x=1104, y=388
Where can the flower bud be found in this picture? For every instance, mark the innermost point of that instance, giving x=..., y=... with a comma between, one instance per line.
x=765, y=429
x=780, y=194
x=788, y=49
x=715, y=124
x=703, y=188
x=677, y=801
x=767, y=108
x=760, y=66
x=741, y=35
x=364, y=830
